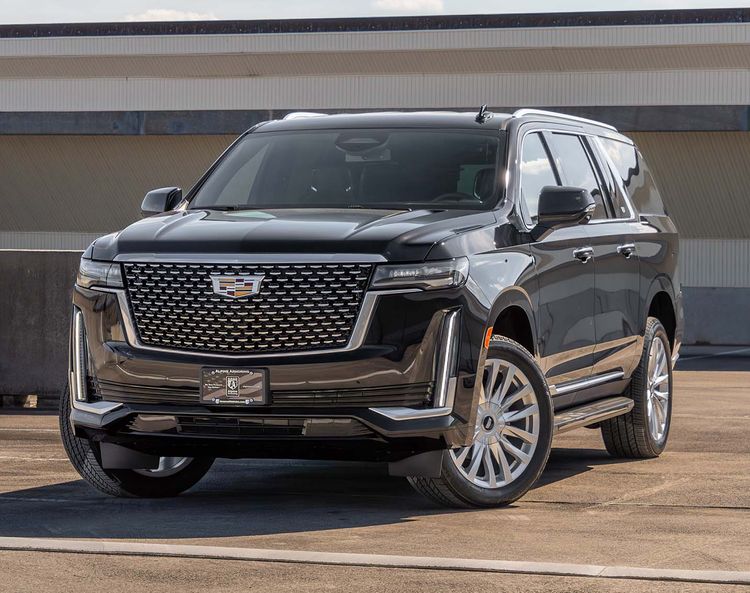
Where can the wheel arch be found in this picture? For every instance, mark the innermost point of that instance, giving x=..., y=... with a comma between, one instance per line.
x=661, y=305
x=512, y=316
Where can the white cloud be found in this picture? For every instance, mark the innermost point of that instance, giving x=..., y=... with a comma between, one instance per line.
x=410, y=5
x=167, y=14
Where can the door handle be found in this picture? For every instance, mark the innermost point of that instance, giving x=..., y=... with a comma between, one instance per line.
x=626, y=250
x=584, y=254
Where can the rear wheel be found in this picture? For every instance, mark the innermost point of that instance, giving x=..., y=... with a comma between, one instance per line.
x=642, y=433
x=512, y=437
x=173, y=476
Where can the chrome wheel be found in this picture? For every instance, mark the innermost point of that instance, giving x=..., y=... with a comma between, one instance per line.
x=507, y=430
x=657, y=397
x=168, y=466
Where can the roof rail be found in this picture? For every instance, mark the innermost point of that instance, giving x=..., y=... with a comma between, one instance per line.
x=303, y=115
x=555, y=115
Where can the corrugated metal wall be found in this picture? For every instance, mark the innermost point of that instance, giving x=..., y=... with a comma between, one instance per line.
x=715, y=263
x=668, y=87
x=705, y=180
x=92, y=184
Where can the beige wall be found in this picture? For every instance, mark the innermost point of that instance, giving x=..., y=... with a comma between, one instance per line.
x=93, y=184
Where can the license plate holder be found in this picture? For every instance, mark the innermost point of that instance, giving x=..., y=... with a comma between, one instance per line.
x=234, y=386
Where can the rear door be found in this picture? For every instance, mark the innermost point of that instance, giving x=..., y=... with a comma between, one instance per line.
x=611, y=235
x=565, y=274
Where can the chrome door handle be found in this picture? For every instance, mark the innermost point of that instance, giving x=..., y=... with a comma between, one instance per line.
x=626, y=250
x=584, y=254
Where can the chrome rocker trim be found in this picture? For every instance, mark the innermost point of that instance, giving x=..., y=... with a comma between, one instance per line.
x=585, y=383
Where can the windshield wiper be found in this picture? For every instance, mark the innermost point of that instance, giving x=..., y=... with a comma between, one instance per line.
x=225, y=208
x=375, y=206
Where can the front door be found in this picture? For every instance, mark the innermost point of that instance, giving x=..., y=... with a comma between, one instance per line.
x=565, y=272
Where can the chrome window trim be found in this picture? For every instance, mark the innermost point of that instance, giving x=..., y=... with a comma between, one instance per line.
x=564, y=116
x=618, y=181
x=513, y=182
x=359, y=331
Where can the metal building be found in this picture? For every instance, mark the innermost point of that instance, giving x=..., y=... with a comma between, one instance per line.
x=94, y=115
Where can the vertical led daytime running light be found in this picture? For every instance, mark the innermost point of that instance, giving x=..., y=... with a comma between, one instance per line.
x=79, y=358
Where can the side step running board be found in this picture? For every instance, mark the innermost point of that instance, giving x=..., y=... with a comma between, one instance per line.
x=592, y=413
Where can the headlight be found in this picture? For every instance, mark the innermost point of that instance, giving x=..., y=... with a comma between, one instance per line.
x=99, y=273
x=427, y=276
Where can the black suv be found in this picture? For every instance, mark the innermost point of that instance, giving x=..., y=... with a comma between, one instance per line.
x=440, y=291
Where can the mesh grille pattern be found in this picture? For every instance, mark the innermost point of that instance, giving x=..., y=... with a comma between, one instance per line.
x=299, y=306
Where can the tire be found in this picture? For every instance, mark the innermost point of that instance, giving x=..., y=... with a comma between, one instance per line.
x=84, y=455
x=511, y=372
x=642, y=433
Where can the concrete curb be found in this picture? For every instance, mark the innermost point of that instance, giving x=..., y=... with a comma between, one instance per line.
x=371, y=560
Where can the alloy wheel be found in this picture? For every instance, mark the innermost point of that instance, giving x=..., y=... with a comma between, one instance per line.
x=507, y=430
x=658, y=390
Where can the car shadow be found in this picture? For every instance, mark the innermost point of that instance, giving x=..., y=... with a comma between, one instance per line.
x=245, y=498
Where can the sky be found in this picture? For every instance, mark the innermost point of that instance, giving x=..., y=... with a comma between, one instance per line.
x=56, y=11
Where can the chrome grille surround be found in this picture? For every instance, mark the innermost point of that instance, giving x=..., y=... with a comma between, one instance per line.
x=300, y=307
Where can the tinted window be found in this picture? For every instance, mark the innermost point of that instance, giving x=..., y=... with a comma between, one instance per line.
x=356, y=168
x=637, y=179
x=536, y=172
x=618, y=202
x=575, y=168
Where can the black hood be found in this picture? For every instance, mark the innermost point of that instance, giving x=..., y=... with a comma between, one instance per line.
x=397, y=235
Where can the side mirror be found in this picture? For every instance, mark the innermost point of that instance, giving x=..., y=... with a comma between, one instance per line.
x=563, y=206
x=160, y=200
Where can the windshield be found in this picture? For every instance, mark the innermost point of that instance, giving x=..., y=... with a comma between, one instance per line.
x=401, y=168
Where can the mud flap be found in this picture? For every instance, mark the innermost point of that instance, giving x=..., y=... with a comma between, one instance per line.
x=424, y=465
x=118, y=457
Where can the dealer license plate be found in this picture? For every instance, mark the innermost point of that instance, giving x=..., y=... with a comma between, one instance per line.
x=234, y=386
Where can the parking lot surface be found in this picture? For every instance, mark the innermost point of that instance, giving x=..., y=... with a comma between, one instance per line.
x=689, y=509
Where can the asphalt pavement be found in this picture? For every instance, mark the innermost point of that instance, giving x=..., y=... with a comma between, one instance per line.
x=688, y=510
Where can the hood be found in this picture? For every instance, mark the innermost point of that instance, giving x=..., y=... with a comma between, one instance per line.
x=396, y=235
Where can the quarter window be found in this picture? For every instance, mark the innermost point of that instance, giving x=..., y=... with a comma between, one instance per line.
x=536, y=173
x=576, y=169
x=635, y=175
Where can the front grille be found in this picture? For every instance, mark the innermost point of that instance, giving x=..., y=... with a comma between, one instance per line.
x=412, y=395
x=300, y=307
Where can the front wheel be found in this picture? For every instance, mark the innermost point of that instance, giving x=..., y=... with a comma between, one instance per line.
x=512, y=437
x=173, y=476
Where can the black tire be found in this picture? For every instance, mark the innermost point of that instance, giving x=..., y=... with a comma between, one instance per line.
x=453, y=489
x=83, y=454
x=629, y=436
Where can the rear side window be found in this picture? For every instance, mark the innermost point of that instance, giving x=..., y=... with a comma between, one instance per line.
x=536, y=172
x=635, y=175
x=576, y=168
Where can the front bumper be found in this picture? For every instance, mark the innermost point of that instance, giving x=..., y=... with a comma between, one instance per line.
x=407, y=385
